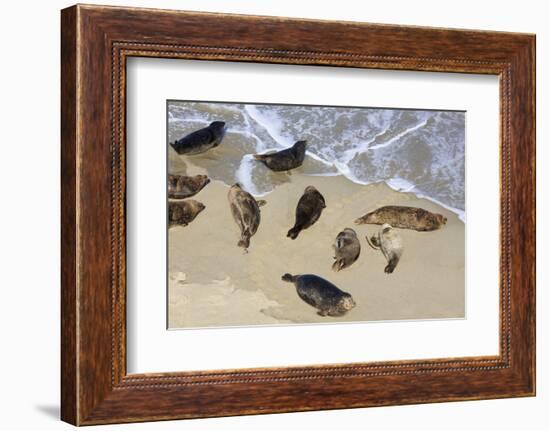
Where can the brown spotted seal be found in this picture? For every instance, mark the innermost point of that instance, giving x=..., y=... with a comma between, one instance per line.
x=181, y=213
x=321, y=294
x=181, y=186
x=346, y=249
x=308, y=211
x=246, y=212
x=286, y=159
x=389, y=242
x=201, y=140
x=404, y=217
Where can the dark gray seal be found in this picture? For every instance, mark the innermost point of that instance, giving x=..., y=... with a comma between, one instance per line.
x=181, y=186
x=284, y=160
x=246, y=213
x=404, y=217
x=181, y=213
x=346, y=249
x=389, y=242
x=321, y=294
x=201, y=140
x=308, y=211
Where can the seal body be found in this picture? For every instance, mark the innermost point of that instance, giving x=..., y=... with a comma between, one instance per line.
x=181, y=186
x=404, y=217
x=246, y=213
x=201, y=140
x=321, y=294
x=309, y=209
x=346, y=249
x=389, y=242
x=181, y=213
x=284, y=160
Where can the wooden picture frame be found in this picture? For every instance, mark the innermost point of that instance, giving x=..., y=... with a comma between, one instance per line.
x=95, y=43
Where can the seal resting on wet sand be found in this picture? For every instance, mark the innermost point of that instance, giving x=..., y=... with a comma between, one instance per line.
x=181, y=213
x=308, y=211
x=404, y=217
x=389, y=242
x=286, y=159
x=246, y=213
x=346, y=249
x=201, y=140
x=321, y=294
x=181, y=186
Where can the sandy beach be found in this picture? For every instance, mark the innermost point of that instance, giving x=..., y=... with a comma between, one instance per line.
x=213, y=283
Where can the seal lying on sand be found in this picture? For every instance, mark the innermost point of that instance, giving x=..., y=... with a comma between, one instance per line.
x=181, y=186
x=201, y=140
x=346, y=249
x=284, y=160
x=308, y=211
x=246, y=212
x=181, y=213
x=321, y=294
x=389, y=242
x=404, y=217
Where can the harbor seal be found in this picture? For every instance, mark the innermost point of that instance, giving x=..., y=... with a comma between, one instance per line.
x=321, y=294
x=404, y=217
x=246, y=213
x=284, y=160
x=389, y=242
x=346, y=249
x=201, y=140
x=308, y=211
x=181, y=213
x=181, y=186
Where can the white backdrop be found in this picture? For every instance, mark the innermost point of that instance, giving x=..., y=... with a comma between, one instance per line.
x=29, y=173
x=151, y=348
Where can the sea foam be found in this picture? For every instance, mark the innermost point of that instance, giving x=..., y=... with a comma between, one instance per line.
x=415, y=151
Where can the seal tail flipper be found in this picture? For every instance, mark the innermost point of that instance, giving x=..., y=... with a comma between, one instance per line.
x=293, y=233
x=260, y=157
x=392, y=263
x=338, y=265
x=245, y=240
x=288, y=277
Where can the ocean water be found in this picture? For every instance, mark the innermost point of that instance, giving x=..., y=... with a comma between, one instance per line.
x=416, y=151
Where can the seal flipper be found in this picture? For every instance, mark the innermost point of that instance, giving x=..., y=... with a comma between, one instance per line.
x=261, y=202
x=338, y=265
x=392, y=263
x=293, y=233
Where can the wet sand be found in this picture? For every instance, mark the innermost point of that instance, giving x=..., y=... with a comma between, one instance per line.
x=212, y=282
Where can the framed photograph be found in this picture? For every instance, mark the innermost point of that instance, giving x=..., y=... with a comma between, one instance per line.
x=318, y=215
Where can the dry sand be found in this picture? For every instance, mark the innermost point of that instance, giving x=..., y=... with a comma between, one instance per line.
x=213, y=283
